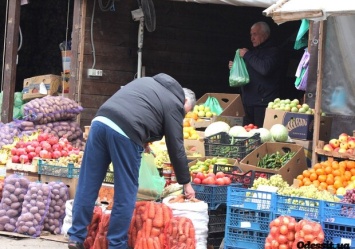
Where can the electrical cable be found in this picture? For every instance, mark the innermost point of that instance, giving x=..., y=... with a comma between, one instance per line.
x=20, y=45
x=92, y=36
x=3, y=54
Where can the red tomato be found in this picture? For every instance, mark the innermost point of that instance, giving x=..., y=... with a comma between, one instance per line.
x=226, y=180
x=219, y=181
x=197, y=180
x=200, y=175
x=251, y=126
x=211, y=174
x=220, y=174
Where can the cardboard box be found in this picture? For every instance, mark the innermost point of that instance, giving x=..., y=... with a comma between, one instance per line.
x=31, y=176
x=307, y=146
x=72, y=183
x=289, y=171
x=31, y=86
x=231, y=104
x=299, y=125
x=195, y=148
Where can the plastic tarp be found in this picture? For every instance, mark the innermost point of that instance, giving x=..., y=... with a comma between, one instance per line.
x=291, y=10
x=251, y=3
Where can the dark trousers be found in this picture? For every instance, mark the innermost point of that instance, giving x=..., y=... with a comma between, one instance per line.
x=103, y=146
x=254, y=115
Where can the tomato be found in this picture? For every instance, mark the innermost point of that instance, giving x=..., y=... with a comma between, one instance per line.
x=226, y=180
x=42, y=137
x=15, y=159
x=14, y=151
x=209, y=180
x=200, y=175
x=24, y=159
x=211, y=175
x=251, y=126
x=219, y=181
x=53, y=140
x=220, y=174
x=197, y=180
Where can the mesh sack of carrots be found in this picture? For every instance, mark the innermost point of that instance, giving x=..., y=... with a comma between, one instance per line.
x=282, y=233
x=308, y=231
x=180, y=233
x=101, y=241
x=93, y=228
x=147, y=225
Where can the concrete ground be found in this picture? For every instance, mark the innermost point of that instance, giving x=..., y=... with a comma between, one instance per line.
x=11, y=242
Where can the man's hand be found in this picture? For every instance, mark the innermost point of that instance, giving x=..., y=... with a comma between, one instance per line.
x=230, y=64
x=242, y=51
x=189, y=191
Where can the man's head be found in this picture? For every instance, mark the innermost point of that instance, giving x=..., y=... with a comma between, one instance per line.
x=190, y=100
x=259, y=33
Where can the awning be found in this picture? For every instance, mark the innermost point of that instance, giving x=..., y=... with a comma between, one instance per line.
x=250, y=3
x=291, y=10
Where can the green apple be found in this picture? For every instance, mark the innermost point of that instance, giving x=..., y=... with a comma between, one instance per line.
x=305, y=106
x=296, y=101
x=294, y=109
x=277, y=100
x=302, y=110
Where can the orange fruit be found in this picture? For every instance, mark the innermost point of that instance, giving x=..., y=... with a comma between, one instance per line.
x=316, y=183
x=350, y=165
x=352, y=171
x=322, y=178
x=300, y=177
x=307, y=183
x=331, y=189
x=313, y=176
x=322, y=186
x=328, y=170
x=347, y=175
x=337, y=184
x=345, y=183
x=336, y=172
x=306, y=173
x=329, y=180
x=320, y=172
x=335, y=165
x=317, y=166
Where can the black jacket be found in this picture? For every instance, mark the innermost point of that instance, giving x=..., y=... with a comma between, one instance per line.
x=149, y=108
x=264, y=65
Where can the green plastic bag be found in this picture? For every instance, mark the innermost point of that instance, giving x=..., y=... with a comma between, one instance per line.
x=150, y=181
x=238, y=75
x=214, y=105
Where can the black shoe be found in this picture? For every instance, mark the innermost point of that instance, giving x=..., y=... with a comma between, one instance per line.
x=75, y=245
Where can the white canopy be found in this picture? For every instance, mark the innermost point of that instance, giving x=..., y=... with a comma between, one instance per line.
x=291, y=10
x=251, y=3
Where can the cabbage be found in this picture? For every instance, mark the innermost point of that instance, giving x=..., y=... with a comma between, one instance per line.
x=265, y=135
x=235, y=130
x=216, y=127
x=279, y=133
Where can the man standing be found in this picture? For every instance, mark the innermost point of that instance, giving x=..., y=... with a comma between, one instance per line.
x=264, y=65
x=143, y=111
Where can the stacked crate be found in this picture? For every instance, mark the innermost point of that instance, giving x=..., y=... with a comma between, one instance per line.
x=216, y=226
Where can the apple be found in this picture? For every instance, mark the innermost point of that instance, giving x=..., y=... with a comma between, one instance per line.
x=328, y=147
x=336, y=149
x=335, y=143
x=343, y=145
x=351, y=144
x=350, y=151
x=15, y=159
x=342, y=150
x=343, y=137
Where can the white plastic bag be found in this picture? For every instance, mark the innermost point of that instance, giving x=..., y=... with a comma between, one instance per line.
x=197, y=212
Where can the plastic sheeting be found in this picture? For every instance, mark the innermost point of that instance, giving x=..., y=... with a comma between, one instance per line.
x=251, y=3
x=338, y=74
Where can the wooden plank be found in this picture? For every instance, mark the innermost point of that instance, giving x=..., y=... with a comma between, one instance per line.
x=318, y=101
x=10, y=50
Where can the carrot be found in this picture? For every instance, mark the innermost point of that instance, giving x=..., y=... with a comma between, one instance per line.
x=169, y=228
x=182, y=238
x=134, y=237
x=148, y=227
x=139, y=245
x=162, y=239
x=155, y=232
x=139, y=222
x=167, y=213
x=192, y=233
x=187, y=229
x=140, y=203
x=158, y=219
x=156, y=243
x=174, y=234
x=145, y=245
x=189, y=243
x=150, y=243
x=151, y=210
x=182, y=246
x=182, y=221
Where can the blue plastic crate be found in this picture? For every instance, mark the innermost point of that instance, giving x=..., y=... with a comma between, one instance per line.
x=213, y=195
x=340, y=234
x=243, y=238
x=248, y=219
x=299, y=207
x=251, y=199
x=340, y=213
x=68, y=171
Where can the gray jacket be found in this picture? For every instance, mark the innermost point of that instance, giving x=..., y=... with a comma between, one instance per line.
x=149, y=108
